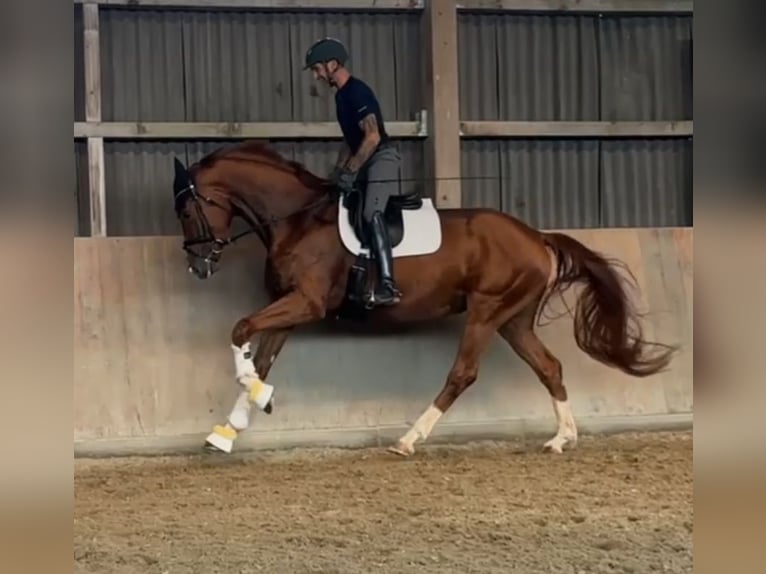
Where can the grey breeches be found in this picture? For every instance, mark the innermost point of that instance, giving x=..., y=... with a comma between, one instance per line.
x=381, y=177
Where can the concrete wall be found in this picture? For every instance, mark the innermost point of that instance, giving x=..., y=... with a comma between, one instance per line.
x=153, y=368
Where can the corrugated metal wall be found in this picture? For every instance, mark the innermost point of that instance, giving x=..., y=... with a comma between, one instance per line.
x=193, y=65
x=516, y=67
x=646, y=183
x=176, y=65
x=80, y=184
x=569, y=68
x=577, y=68
x=646, y=71
x=575, y=183
x=547, y=183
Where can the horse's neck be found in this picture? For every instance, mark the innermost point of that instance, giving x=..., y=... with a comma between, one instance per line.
x=283, y=213
x=267, y=194
x=274, y=194
x=273, y=203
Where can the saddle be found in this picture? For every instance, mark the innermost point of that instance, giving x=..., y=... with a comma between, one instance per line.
x=354, y=203
x=413, y=226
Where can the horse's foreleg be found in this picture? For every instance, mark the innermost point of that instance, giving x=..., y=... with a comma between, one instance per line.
x=269, y=346
x=291, y=310
x=465, y=369
x=294, y=309
x=519, y=334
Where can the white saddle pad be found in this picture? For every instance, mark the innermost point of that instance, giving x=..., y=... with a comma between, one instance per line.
x=422, y=232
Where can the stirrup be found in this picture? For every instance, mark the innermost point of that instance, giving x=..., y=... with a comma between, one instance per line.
x=386, y=290
x=390, y=286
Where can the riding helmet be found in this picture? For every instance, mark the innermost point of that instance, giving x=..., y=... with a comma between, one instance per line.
x=325, y=50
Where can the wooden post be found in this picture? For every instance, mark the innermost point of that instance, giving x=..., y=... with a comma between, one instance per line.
x=96, y=180
x=442, y=101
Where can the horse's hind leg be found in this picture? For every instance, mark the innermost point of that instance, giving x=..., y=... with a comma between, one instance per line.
x=270, y=344
x=464, y=371
x=519, y=334
x=484, y=316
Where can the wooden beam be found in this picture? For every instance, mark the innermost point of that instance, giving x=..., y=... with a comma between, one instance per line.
x=442, y=151
x=229, y=130
x=330, y=130
x=630, y=6
x=92, y=63
x=97, y=183
x=576, y=129
x=581, y=6
x=96, y=179
x=344, y=5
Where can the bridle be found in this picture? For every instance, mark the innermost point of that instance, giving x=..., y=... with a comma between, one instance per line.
x=257, y=226
x=207, y=235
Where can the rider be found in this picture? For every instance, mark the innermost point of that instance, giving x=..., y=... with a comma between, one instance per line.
x=367, y=154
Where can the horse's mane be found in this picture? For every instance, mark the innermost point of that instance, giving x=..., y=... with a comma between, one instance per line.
x=264, y=153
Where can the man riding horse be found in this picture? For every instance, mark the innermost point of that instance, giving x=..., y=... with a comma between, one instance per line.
x=367, y=158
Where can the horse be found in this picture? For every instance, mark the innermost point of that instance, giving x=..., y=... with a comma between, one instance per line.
x=488, y=265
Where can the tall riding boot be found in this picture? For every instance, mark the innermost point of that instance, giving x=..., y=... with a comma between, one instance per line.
x=386, y=292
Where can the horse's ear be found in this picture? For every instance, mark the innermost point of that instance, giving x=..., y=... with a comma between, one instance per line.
x=182, y=174
x=180, y=168
x=181, y=182
x=182, y=178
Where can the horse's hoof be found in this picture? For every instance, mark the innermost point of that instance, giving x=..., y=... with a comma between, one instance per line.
x=221, y=439
x=217, y=443
x=269, y=406
x=556, y=445
x=402, y=449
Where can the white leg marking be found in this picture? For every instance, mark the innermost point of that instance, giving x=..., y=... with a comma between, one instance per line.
x=553, y=271
x=420, y=430
x=567, y=428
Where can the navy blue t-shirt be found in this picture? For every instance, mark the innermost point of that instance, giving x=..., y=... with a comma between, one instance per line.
x=354, y=101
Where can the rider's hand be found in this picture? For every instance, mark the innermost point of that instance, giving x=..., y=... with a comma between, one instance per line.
x=345, y=180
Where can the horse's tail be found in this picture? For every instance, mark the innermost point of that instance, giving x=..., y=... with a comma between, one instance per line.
x=606, y=325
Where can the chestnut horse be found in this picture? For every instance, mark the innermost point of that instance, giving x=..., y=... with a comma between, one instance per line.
x=489, y=265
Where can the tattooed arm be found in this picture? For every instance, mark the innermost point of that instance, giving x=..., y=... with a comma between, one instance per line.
x=371, y=140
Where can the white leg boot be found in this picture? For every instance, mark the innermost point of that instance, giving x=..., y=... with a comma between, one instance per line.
x=223, y=436
x=260, y=393
x=255, y=391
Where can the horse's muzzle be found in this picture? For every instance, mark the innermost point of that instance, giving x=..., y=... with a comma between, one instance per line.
x=202, y=268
